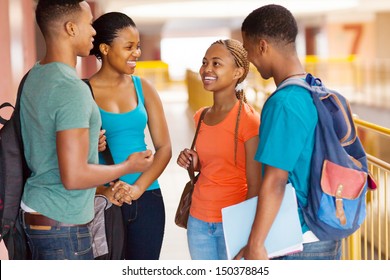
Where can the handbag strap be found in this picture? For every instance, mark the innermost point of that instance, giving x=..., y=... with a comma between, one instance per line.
x=191, y=171
x=106, y=153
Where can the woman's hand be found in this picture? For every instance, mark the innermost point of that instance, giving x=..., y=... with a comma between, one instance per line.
x=135, y=192
x=186, y=156
x=102, y=141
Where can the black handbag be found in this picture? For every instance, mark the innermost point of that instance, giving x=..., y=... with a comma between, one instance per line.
x=183, y=209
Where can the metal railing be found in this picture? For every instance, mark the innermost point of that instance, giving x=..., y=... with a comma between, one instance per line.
x=372, y=240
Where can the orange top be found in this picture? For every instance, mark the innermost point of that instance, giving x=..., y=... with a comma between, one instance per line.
x=221, y=183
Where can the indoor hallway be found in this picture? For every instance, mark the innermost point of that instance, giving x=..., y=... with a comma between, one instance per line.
x=172, y=181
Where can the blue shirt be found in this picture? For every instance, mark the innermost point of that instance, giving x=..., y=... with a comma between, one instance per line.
x=125, y=133
x=287, y=127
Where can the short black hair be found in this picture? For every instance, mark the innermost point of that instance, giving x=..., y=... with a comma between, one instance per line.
x=107, y=27
x=48, y=11
x=274, y=22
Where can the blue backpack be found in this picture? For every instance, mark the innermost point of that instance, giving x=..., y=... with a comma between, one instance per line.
x=339, y=176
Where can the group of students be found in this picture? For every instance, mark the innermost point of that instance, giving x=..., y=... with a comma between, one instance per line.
x=237, y=156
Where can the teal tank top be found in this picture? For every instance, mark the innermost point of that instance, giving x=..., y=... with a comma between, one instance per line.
x=125, y=133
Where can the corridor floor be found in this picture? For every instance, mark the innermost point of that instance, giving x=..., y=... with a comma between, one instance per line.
x=173, y=179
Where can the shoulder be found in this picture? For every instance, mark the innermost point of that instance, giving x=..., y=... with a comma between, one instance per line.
x=293, y=105
x=249, y=111
x=145, y=87
x=292, y=99
x=249, y=117
x=143, y=83
x=198, y=113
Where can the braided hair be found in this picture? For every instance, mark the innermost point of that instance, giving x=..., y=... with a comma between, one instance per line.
x=240, y=56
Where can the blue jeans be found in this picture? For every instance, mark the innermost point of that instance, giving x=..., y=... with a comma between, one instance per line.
x=60, y=243
x=144, y=220
x=320, y=250
x=205, y=240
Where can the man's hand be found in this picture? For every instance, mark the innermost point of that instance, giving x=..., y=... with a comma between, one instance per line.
x=140, y=161
x=252, y=253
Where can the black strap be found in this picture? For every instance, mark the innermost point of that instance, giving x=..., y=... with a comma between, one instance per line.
x=191, y=171
x=4, y=105
x=106, y=153
x=18, y=128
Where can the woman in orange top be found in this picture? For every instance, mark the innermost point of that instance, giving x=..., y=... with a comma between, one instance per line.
x=224, y=150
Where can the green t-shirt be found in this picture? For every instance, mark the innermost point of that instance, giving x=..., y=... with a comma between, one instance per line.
x=287, y=127
x=55, y=99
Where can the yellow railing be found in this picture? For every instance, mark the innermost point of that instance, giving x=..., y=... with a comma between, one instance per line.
x=372, y=240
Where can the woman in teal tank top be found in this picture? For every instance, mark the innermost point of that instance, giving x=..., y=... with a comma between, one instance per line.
x=127, y=105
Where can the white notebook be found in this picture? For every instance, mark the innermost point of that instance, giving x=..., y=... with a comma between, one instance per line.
x=284, y=237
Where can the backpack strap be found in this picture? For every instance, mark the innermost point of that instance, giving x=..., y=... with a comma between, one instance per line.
x=4, y=105
x=320, y=93
x=294, y=82
x=20, y=89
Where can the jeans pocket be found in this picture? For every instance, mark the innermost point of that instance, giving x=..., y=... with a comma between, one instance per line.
x=81, y=242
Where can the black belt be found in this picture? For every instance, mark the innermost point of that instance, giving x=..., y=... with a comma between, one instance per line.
x=36, y=219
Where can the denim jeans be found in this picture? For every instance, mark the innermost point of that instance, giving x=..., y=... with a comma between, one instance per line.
x=320, y=250
x=60, y=243
x=205, y=240
x=144, y=220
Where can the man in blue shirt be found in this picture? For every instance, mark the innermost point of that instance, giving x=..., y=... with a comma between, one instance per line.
x=288, y=123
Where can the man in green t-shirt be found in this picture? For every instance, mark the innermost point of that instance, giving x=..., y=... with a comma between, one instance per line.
x=60, y=125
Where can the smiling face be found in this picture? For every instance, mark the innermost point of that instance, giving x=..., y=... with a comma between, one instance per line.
x=124, y=51
x=218, y=70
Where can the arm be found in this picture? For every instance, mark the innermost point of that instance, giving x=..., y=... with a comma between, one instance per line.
x=77, y=173
x=160, y=137
x=253, y=167
x=270, y=198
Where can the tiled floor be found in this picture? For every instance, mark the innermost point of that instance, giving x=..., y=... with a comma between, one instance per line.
x=173, y=179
